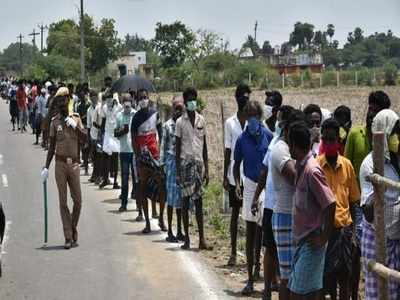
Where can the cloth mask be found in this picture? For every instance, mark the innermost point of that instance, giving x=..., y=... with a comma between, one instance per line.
x=315, y=133
x=253, y=126
x=394, y=143
x=191, y=105
x=331, y=149
x=268, y=111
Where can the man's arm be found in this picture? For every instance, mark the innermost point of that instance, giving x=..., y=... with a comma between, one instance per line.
x=227, y=161
x=260, y=186
x=51, y=151
x=289, y=171
x=178, y=145
x=205, y=159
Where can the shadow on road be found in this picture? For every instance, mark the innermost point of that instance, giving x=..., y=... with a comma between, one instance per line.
x=140, y=233
x=51, y=248
x=112, y=201
x=117, y=212
x=255, y=295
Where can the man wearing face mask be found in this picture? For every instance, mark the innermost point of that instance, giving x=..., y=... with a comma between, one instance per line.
x=146, y=131
x=191, y=158
x=314, y=119
x=122, y=132
x=358, y=145
x=82, y=106
x=272, y=103
x=111, y=145
x=250, y=148
x=386, y=121
x=342, y=180
x=234, y=127
x=66, y=135
x=93, y=132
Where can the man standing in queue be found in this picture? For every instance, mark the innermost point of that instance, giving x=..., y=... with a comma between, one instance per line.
x=66, y=135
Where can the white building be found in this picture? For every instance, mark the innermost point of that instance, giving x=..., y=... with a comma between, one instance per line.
x=129, y=64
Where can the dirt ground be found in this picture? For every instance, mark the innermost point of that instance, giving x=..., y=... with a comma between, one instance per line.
x=221, y=105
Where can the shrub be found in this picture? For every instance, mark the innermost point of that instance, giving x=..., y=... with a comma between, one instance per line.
x=390, y=74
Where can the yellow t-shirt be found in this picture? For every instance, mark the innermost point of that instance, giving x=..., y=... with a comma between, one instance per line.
x=343, y=183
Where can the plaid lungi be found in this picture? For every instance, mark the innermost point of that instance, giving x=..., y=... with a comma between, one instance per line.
x=282, y=228
x=368, y=253
x=191, y=179
x=308, y=269
x=173, y=189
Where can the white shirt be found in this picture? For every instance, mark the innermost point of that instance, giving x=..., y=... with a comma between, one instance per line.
x=89, y=122
x=392, y=201
x=233, y=130
x=192, y=137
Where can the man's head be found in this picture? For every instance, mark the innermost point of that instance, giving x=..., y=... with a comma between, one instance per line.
x=242, y=95
x=108, y=98
x=80, y=92
x=273, y=101
x=20, y=84
x=127, y=103
x=43, y=91
x=330, y=137
x=143, y=98
x=282, y=116
x=94, y=97
x=295, y=116
x=177, y=107
x=71, y=89
x=52, y=90
x=342, y=114
x=313, y=116
x=190, y=99
x=299, y=140
x=377, y=101
x=254, y=115
x=108, y=81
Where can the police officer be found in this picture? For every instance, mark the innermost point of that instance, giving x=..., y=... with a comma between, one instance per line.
x=66, y=135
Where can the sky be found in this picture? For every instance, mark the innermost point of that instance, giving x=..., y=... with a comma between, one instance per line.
x=232, y=19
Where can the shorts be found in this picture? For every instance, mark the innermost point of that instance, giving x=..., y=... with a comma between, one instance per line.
x=233, y=200
x=268, y=236
x=307, y=269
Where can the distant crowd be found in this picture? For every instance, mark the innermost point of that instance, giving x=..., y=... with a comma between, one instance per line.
x=297, y=177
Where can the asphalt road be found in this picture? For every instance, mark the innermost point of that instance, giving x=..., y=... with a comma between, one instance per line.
x=114, y=260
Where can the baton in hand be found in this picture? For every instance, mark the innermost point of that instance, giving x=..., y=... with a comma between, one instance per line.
x=45, y=212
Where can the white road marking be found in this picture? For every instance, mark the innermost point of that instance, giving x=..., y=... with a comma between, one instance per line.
x=5, y=238
x=1, y=159
x=4, y=180
x=199, y=276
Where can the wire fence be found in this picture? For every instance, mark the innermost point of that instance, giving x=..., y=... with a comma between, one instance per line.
x=380, y=183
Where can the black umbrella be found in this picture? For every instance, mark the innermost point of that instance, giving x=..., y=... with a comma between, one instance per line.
x=132, y=83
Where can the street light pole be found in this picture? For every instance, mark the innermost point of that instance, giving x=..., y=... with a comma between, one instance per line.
x=82, y=46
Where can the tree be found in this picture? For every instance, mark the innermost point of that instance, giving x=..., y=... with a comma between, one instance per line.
x=63, y=39
x=302, y=35
x=135, y=43
x=9, y=59
x=267, y=49
x=319, y=40
x=358, y=35
x=252, y=44
x=286, y=48
x=330, y=31
x=390, y=71
x=207, y=42
x=173, y=42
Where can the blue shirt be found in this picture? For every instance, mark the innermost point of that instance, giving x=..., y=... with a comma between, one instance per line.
x=252, y=152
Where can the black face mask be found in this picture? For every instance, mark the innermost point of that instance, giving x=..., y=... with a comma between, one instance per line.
x=241, y=102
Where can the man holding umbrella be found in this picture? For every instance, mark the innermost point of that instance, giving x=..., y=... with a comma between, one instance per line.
x=66, y=135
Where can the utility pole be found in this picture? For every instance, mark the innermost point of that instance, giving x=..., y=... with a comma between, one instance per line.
x=255, y=31
x=20, y=53
x=33, y=35
x=82, y=45
x=42, y=29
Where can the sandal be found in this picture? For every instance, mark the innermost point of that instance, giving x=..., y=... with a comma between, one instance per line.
x=248, y=289
x=171, y=239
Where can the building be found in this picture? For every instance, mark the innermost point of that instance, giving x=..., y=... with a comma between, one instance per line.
x=296, y=63
x=129, y=64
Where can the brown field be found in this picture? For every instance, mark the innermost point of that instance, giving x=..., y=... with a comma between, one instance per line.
x=330, y=98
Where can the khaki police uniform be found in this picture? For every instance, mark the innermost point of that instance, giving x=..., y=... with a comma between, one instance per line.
x=67, y=170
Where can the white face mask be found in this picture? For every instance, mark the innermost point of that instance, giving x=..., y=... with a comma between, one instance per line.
x=268, y=111
x=144, y=103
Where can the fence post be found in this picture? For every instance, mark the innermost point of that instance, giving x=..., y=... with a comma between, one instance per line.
x=379, y=211
x=249, y=79
x=283, y=80
x=337, y=79
x=320, y=80
x=225, y=198
x=356, y=75
x=302, y=80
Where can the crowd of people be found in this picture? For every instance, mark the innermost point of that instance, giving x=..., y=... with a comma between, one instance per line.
x=296, y=176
